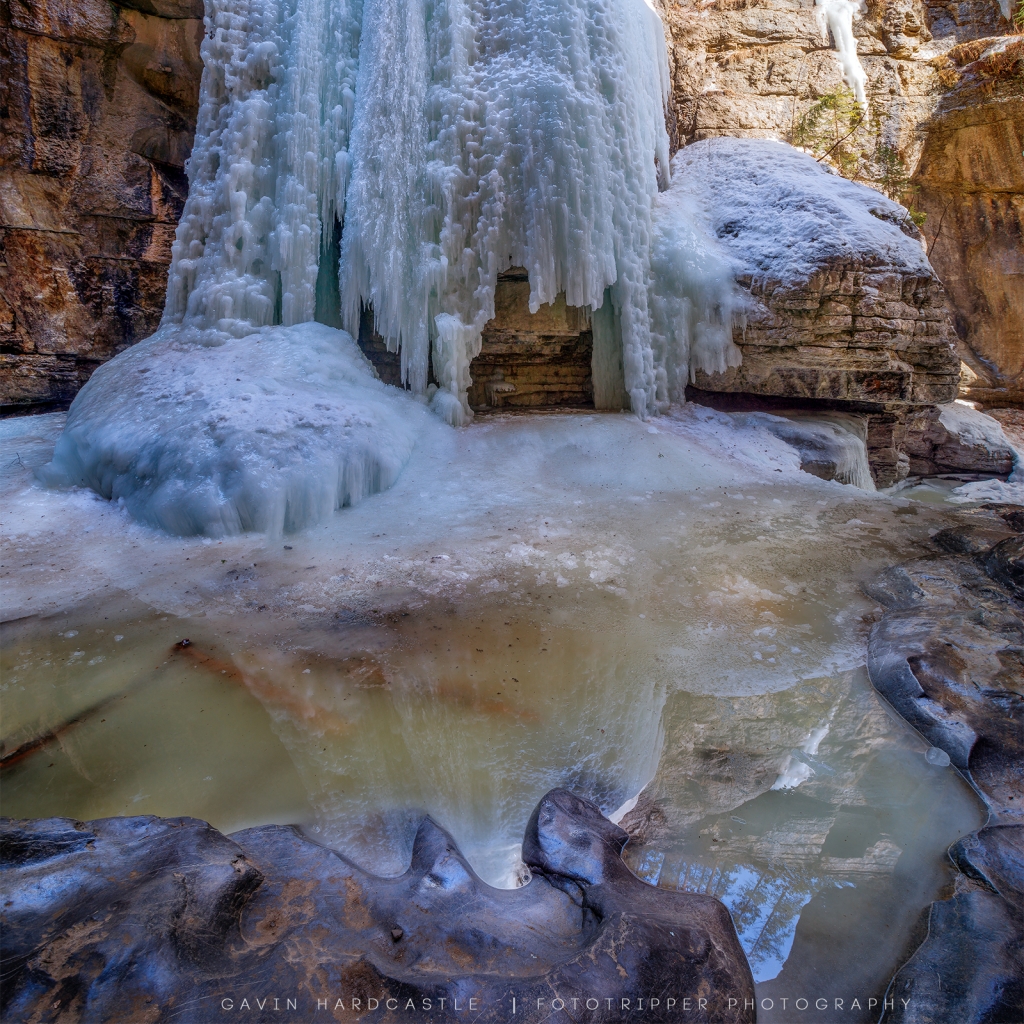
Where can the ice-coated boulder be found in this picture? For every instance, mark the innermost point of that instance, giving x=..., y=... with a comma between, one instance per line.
x=198, y=432
x=844, y=303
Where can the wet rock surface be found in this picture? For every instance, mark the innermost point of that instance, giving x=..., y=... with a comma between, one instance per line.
x=155, y=919
x=948, y=655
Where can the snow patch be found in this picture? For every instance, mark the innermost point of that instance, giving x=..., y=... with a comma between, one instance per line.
x=989, y=490
x=780, y=217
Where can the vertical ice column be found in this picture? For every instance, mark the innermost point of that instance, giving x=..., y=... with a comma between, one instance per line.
x=508, y=133
x=315, y=106
x=220, y=259
x=267, y=171
x=694, y=298
x=837, y=16
x=385, y=245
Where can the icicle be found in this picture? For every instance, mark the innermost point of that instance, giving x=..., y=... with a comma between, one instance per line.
x=837, y=16
x=268, y=172
x=469, y=136
x=694, y=298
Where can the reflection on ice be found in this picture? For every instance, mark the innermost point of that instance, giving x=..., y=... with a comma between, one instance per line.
x=863, y=832
x=470, y=718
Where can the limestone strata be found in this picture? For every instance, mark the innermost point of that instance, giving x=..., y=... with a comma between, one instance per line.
x=852, y=333
x=947, y=656
x=148, y=919
x=98, y=111
x=753, y=67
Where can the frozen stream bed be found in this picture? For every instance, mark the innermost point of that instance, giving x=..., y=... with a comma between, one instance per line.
x=577, y=600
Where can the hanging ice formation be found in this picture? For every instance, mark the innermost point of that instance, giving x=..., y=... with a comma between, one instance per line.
x=836, y=16
x=448, y=140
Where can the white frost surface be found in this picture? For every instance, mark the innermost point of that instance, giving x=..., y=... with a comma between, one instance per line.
x=197, y=432
x=989, y=490
x=453, y=141
x=694, y=300
x=781, y=217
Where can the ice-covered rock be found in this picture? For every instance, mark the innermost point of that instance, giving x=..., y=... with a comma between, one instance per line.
x=198, y=432
x=957, y=438
x=845, y=305
x=831, y=447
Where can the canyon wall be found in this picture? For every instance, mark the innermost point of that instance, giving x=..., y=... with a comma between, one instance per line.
x=99, y=101
x=945, y=87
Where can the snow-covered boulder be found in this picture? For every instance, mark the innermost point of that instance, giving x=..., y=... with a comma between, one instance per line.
x=957, y=438
x=844, y=303
x=197, y=432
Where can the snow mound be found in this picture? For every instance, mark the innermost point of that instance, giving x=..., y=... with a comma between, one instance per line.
x=198, y=432
x=780, y=216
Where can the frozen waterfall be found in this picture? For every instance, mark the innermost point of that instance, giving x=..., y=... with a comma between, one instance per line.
x=399, y=156
x=836, y=17
x=448, y=142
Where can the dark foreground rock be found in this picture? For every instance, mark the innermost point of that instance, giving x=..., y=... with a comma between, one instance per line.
x=152, y=919
x=948, y=655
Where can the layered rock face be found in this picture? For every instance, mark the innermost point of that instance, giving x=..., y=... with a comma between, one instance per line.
x=99, y=105
x=752, y=67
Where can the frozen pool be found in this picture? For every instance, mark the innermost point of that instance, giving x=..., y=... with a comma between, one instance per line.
x=578, y=600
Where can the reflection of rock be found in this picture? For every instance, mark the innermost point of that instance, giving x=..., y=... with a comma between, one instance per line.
x=947, y=655
x=169, y=917
x=99, y=111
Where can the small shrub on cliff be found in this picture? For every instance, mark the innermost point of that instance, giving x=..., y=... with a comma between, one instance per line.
x=894, y=180
x=841, y=132
x=833, y=130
